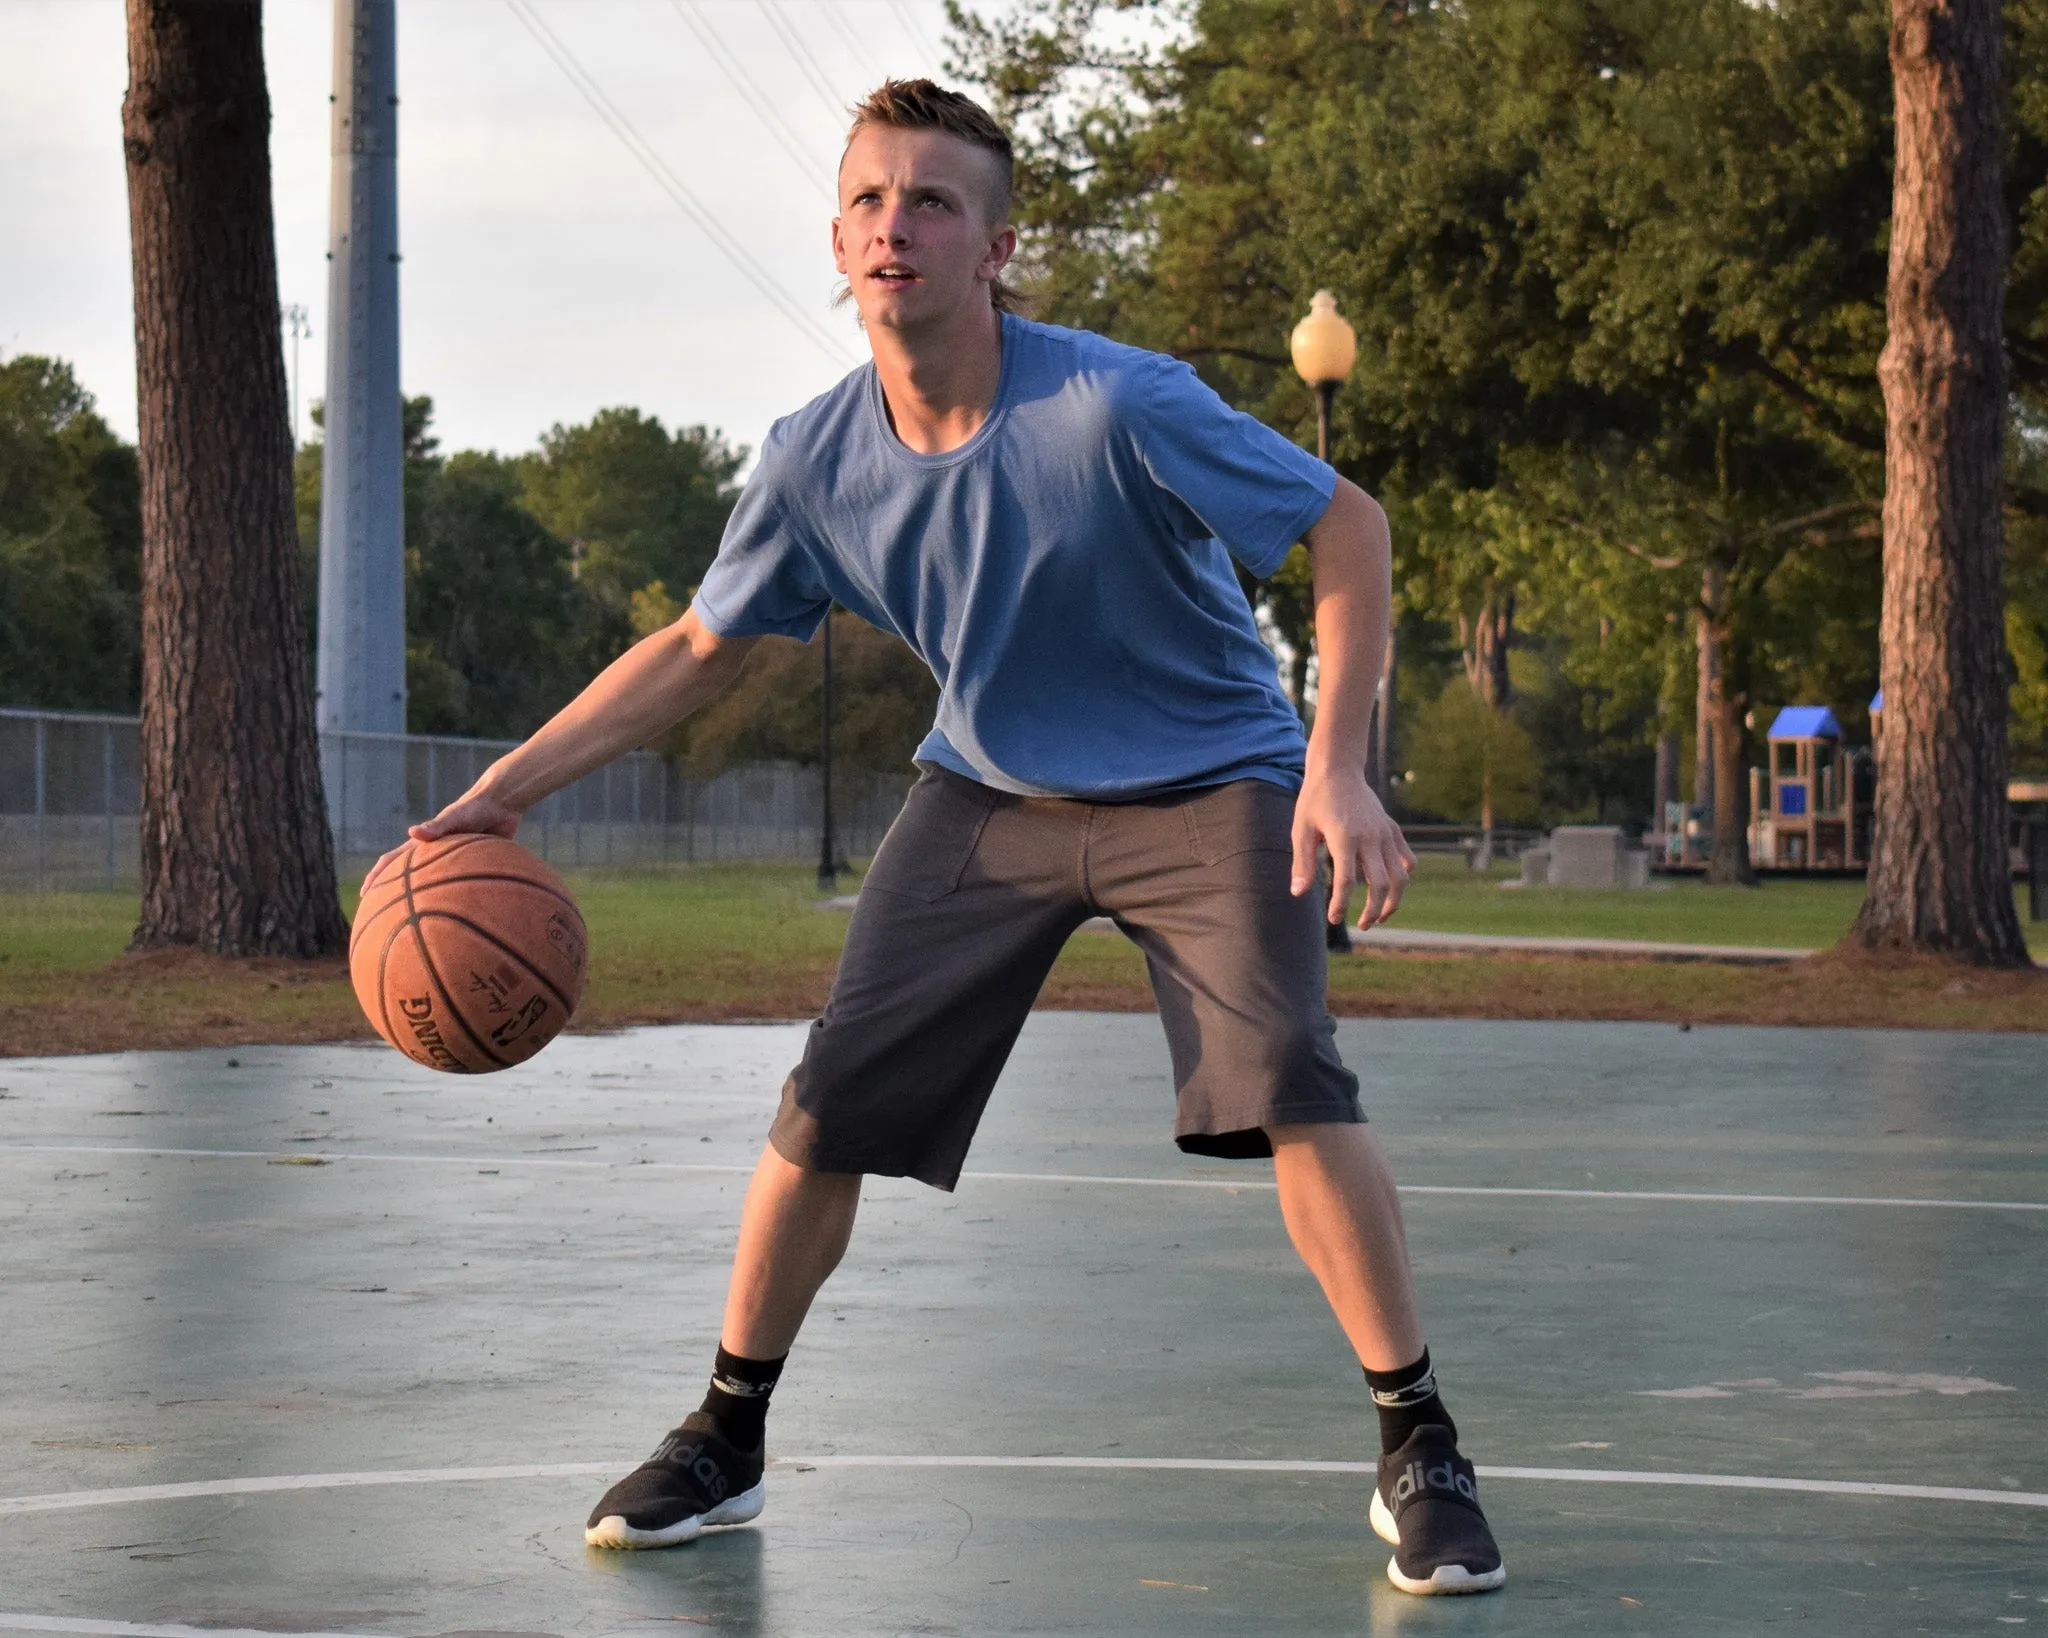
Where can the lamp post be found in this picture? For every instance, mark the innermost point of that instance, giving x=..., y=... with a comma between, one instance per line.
x=1324, y=348
x=828, y=851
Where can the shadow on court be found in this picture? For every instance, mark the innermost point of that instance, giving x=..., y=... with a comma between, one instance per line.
x=1744, y=1327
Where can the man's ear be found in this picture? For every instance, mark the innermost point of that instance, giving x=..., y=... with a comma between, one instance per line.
x=1000, y=250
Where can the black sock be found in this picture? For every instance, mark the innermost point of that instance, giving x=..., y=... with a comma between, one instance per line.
x=1406, y=1400
x=738, y=1398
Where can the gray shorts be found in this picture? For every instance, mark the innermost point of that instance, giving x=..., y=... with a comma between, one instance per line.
x=971, y=897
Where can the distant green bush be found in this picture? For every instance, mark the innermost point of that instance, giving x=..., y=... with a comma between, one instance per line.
x=1472, y=763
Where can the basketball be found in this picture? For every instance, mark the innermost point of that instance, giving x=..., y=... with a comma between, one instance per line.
x=468, y=954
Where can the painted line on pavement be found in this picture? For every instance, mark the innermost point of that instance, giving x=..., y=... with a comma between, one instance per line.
x=69, y=1500
x=1478, y=1191
x=154, y=1629
x=338, y=1155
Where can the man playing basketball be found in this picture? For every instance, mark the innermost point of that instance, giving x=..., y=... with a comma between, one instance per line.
x=1047, y=518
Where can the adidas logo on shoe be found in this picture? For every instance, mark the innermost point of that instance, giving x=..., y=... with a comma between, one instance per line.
x=1415, y=1478
x=1427, y=1505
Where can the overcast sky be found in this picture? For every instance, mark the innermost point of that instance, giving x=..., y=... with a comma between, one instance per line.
x=546, y=274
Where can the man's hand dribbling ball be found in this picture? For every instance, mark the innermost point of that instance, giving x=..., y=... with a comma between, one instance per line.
x=467, y=952
x=467, y=815
x=1341, y=813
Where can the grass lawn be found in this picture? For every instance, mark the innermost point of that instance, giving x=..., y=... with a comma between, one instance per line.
x=1807, y=915
x=724, y=942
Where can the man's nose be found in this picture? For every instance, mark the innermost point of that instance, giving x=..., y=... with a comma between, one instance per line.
x=894, y=226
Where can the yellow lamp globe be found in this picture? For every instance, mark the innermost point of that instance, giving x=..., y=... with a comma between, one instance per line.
x=1324, y=346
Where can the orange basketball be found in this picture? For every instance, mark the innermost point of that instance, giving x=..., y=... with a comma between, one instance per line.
x=468, y=954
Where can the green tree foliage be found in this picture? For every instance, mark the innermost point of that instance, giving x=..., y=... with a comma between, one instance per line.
x=498, y=636
x=637, y=503
x=524, y=577
x=70, y=546
x=883, y=698
x=1472, y=763
x=506, y=617
x=1617, y=269
x=2026, y=590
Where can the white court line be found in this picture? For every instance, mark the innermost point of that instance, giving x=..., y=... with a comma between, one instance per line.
x=1226, y=1184
x=67, y=1500
x=151, y=1629
x=357, y=1154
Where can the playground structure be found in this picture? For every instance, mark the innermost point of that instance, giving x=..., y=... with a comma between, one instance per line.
x=1810, y=806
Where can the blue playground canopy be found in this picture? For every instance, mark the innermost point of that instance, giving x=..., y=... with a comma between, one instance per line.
x=1806, y=722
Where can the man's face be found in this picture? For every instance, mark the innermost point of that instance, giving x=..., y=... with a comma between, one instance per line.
x=913, y=234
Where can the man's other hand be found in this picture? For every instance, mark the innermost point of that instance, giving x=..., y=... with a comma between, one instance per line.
x=1340, y=812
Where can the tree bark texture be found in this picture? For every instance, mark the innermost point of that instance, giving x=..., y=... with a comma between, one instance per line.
x=1379, y=756
x=1665, y=783
x=1708, y=679
x=1384, y=741
x=1485, y=639
x=236, y=857
x=1726, y=699
x=1940, y=880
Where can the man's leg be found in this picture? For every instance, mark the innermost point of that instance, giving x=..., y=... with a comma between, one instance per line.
x=1337, y=1196
x=1237, y=962
x=793, y=1231
x=962, y=914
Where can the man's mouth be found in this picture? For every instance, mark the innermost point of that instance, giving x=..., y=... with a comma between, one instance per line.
x=893, y=274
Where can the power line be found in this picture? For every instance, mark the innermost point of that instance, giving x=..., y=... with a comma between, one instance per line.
x=915, y=30
x=805, y=61
x=751, y=93
x=693, y=207
x=852, y=37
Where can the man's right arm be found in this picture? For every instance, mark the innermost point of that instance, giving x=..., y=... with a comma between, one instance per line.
x=651, y=687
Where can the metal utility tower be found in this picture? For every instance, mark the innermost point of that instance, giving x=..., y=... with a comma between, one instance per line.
x=298, y=324
x=361, y=671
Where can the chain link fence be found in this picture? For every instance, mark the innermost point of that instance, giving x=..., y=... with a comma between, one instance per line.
x=71, y=801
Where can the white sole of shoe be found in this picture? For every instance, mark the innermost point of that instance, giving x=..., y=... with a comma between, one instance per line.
x=1446, y=1579
x=614, y=1532
x=1382, y=1520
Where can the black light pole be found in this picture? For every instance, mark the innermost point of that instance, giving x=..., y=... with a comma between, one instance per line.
x=1324, y=349
x=828, y=852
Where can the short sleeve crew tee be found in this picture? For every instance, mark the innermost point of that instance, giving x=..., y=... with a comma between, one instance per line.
x=1065, y=572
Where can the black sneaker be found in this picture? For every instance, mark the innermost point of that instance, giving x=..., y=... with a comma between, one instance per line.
x=1427, y=1505
x=694, y=1478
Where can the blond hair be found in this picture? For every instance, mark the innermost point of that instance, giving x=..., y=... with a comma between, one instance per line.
x=923, y=105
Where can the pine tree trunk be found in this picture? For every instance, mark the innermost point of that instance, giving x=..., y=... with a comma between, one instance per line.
x=1384, y=748
x=1728, y=864
x=1708, y=679
x=1482, y=857
x=1486, y=639
x=236, y=857
x=1665, y=783
x=1940, y=880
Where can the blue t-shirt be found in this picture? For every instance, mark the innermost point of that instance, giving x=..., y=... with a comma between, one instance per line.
x=1063, y=572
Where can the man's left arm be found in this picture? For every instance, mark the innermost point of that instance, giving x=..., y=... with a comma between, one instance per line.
x=1352, y=557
